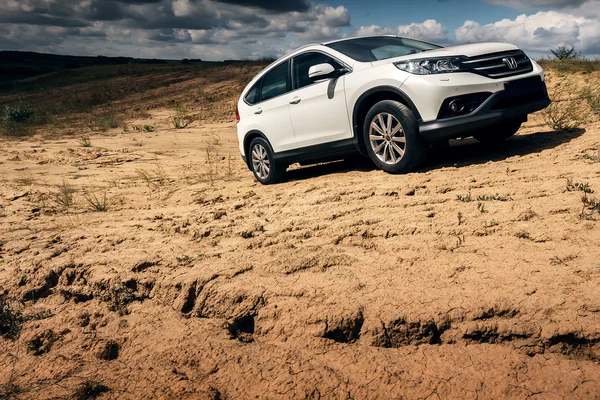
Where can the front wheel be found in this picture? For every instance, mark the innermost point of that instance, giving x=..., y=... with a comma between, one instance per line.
x=392, y=138
x=498, y=133
x=266, y=170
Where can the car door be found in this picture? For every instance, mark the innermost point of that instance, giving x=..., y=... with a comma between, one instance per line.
x=318, y=109
x=272, y=111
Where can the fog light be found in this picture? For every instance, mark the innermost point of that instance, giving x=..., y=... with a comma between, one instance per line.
x=456, y=106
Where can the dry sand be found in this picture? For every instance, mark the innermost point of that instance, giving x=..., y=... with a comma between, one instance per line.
x=342, y=282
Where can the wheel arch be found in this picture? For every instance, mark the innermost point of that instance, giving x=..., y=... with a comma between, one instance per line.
x=367, y=100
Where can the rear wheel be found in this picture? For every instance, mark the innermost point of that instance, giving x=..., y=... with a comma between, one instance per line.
x=498, y=133
x=392, y=138
x=266, y=170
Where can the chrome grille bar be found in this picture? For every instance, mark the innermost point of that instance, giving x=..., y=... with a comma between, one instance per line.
x=493, y=65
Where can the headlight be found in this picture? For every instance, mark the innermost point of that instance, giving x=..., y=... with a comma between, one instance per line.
x=431, y=66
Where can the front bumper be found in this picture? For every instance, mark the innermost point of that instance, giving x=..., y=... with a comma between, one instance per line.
x=508, y=104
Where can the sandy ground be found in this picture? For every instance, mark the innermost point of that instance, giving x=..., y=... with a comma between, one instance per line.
x=342, y=282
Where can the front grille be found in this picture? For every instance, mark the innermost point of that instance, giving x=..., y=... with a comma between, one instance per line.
x=496, y=65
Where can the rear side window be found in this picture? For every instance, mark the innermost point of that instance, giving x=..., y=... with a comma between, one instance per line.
x=252, y=95
x=275, y=82
x=302, y=64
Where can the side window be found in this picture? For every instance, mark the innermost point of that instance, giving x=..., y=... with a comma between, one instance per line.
x=275, y=82
x=302, y=64
x=252, y=95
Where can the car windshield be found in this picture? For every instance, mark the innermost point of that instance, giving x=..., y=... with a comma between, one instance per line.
x=380, y=48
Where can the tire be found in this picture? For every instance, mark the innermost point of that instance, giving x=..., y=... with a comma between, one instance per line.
x=401, y=148
x=262, y=163
x=498, y=133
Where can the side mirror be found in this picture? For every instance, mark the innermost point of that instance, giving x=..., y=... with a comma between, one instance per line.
x=324, y=71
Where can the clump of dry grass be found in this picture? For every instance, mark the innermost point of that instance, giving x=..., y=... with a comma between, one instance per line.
x=144, y=128
x=11, y=319
x=85, y=142
x=565, y=112
x=153, y=178
x=592, y=95
x=465, y=198
x=97, y=203
x=118, y=296
x=90, y=389
x=494, y=197
x=571, y=66
x=105, y=121
x=181, y=121
x=65, y=197
x=579, y=186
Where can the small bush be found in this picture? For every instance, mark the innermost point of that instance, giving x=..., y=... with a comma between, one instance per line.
x=180, y=122
x=105, y=122
x=589, y=203
x=579, y=186
x=564, y=113
x=18, y=113
x=85, y=142
x=494, y=197
x=592, y=96
x=15, y=129
x=466, y=198
x=10, y=319
x=90, y=389
x=564, y=53
x=144, y=128
x=118, y=297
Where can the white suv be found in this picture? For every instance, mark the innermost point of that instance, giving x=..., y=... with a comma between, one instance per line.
x=386, y=97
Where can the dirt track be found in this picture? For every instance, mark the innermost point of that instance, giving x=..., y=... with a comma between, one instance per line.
x=342, y=282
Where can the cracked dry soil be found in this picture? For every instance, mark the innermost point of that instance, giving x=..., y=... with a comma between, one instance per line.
x=342, y=282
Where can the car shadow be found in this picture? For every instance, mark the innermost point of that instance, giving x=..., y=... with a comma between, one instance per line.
x=469, y=151
x=460, y=153
x=356, y=163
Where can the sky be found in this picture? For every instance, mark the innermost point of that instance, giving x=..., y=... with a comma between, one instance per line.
x=249, y=29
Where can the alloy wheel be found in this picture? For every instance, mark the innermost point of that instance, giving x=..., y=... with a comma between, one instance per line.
x=260, y=161
x=387, y=138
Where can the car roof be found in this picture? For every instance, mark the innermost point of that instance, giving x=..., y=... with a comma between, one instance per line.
x=356, y=37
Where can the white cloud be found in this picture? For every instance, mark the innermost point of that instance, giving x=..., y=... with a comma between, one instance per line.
x=537, y=32
x=536, y=4
x=428, y=30
x=333, y=17
x=322, y=23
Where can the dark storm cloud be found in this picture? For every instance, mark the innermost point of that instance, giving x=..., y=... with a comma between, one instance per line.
x=273, y=5
x=40, y=19
x=224, y=28
x=139, y=1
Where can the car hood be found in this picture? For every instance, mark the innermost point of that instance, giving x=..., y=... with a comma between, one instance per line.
x=468, y=50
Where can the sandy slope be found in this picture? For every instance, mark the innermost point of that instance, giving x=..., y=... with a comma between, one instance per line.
x=342, y=282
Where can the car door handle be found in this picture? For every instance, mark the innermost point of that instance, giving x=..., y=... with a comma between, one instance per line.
x=259, y=111
x=296, y=100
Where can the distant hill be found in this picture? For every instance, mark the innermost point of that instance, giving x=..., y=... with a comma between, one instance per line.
x=17, y=65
